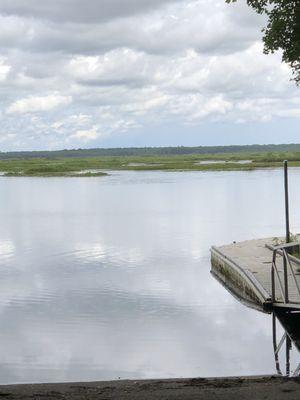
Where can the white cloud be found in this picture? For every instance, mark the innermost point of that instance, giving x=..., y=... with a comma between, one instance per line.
x=86, y=135
x=38, y=104
x=157, y=101
x=4, y=137
x=121, y=66
x=4, y=69
x=77, y=120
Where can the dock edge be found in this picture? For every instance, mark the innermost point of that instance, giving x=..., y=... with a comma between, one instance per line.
x=240, y=281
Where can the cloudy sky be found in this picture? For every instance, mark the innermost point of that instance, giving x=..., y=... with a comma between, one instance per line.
x=110, y=73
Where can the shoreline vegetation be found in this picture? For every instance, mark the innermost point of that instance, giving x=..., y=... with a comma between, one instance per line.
x=95, y=162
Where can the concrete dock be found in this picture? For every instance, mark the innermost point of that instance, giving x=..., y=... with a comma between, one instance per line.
x=245, y=269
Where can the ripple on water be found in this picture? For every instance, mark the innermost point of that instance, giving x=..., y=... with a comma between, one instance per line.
x=111, y=279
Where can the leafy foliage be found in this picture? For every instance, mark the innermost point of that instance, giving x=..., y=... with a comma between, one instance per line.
x=282, y=31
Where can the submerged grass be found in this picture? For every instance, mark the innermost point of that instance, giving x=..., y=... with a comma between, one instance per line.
x=96, y=166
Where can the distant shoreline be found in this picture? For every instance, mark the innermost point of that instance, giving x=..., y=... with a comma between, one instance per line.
x=151, y=151
x=246, y=388
x=53, y=165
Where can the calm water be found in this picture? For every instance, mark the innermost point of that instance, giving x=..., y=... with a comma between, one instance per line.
x=102, y=278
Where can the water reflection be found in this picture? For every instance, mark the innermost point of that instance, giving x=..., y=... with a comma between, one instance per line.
x=288, y=339
x=109, y=277
x=285, y=333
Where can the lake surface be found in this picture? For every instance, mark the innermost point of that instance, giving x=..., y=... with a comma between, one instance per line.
x=107, y=278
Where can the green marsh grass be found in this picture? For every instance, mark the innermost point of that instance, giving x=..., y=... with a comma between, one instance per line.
x=73, y=166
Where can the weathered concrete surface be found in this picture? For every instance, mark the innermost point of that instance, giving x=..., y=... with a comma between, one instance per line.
x=245, y=268
x=258, y=388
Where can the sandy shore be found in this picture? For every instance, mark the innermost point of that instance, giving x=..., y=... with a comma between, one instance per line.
x=254, y=388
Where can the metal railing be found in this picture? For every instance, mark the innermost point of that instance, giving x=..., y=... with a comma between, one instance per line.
x=283, y=284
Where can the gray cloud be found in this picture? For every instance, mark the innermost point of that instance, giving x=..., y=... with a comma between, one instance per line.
x=179, y=26
x=132, y=64
x=89, y=11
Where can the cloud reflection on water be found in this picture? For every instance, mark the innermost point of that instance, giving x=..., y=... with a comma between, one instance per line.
x=110, y=278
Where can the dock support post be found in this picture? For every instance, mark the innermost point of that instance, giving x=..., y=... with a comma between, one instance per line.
x=287, y=227
x=274, y=330
x=288, y=360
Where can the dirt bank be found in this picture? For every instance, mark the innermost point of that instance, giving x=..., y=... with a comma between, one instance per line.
x=269, y=387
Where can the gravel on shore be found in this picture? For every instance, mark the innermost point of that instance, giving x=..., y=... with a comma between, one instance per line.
x=254, y=388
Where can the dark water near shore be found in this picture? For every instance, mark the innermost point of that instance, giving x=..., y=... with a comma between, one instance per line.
x=102, y=278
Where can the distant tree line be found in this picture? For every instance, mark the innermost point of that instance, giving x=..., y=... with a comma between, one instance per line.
x=150, y=151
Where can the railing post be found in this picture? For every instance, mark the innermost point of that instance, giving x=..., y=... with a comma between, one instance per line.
x=273, y=277
x=285, y=276
x=273, y=284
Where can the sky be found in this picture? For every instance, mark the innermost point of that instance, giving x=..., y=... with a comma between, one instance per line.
x=121, y=73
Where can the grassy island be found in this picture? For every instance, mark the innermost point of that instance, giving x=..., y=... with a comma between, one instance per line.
x=95, y=162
